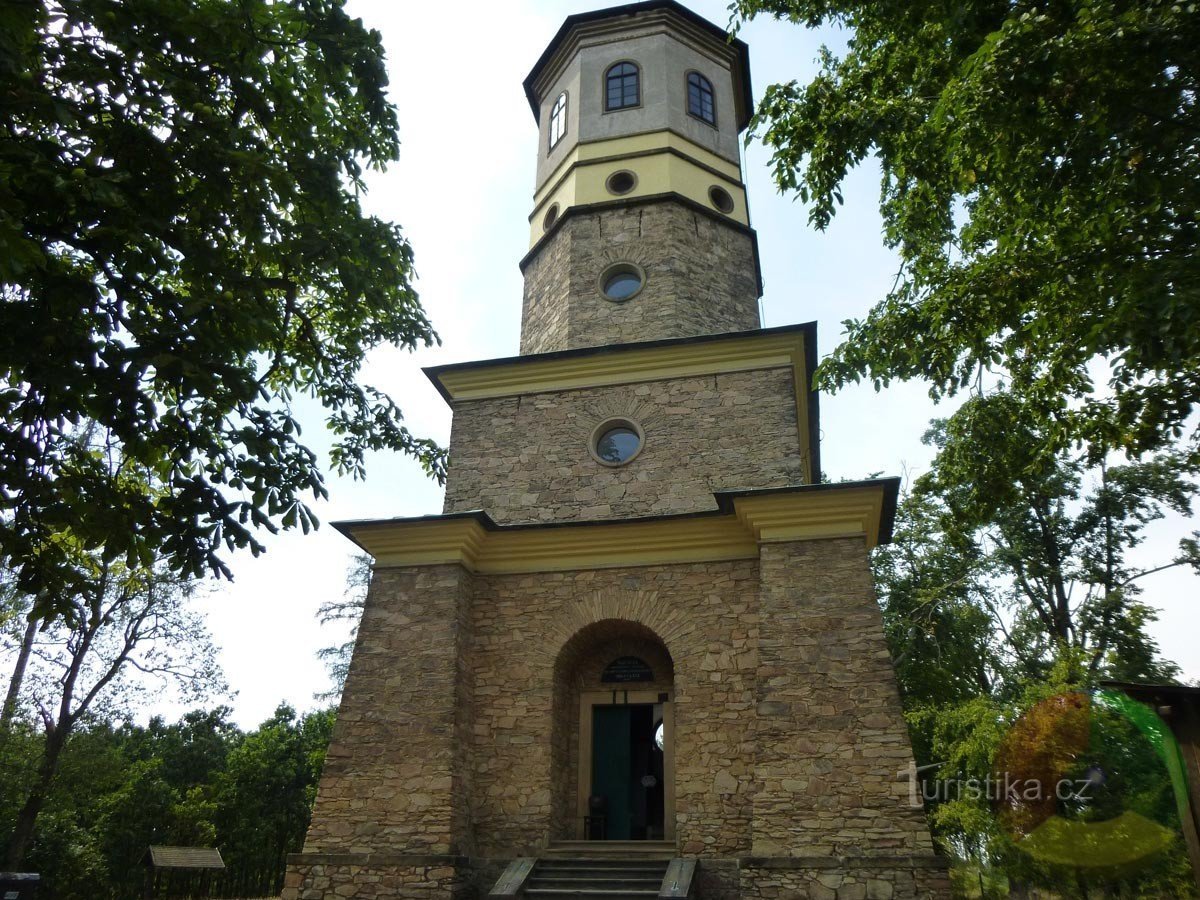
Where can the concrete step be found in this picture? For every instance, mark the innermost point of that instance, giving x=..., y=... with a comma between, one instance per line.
x=623, y=850
x=598, y=870
x=612, y=876
x=583, y=893
x=608, y=865
x=613, y=884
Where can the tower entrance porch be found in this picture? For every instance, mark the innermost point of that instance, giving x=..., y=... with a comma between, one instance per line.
x=613, y=765
x=623, y=773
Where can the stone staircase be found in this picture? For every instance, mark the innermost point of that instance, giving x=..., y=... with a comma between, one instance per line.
x=602, y=870
x=614, y=879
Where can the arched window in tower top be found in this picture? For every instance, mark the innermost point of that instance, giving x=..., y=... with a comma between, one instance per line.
x=622, y=87
x=558, y=119
x=700, y=98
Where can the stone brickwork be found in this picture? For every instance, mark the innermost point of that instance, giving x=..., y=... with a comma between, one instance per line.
x=396, y=777
x=704, y=615
x=458, y=732
x=526, y=459
x=374, y=877
x=460, y=741
x=844, y=878
x=832, y=742
x=701, y=278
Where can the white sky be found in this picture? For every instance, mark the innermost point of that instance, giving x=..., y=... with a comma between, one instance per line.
x=462, y=192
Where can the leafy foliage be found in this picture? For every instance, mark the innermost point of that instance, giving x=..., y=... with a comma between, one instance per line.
x=199, y=781
x=1040, y=172
x=1010, y=582
x=129, y=622
x=349, y=610
x=183, y=254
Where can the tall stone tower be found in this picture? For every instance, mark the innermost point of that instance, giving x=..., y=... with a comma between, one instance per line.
x=639, y=649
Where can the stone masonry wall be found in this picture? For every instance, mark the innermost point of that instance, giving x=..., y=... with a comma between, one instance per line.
x=461, y=709
x=832, y=741
x=322, y=876
x=700, y=278
x=705, y=616
x=915, y=878
x=526, y=459
x=396, y=777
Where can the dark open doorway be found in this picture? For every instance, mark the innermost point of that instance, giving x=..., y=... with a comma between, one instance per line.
x=627, y=796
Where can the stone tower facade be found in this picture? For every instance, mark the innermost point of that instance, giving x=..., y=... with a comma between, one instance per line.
x=641, y=625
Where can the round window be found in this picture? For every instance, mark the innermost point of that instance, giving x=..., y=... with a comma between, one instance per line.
x=621, y=182
x=551, y=217
x=621, y=281
x=616, y=442
x=721, y=199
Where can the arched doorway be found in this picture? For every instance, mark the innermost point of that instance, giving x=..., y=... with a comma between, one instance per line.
x=614, y=735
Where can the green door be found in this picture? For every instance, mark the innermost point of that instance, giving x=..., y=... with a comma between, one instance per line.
x=612, y=766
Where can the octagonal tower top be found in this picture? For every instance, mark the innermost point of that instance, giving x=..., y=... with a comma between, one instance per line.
x=634, y=69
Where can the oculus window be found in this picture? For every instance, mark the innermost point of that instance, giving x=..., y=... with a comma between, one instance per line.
x=700, y=98
x=616, y=442
x=721, y=199
x=622, y=87
x=558, y=119
x=621, y=182
x=622, y=281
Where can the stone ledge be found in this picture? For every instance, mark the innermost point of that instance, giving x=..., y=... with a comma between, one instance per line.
x=843, y=862
x=757, y=862
x=376, y=859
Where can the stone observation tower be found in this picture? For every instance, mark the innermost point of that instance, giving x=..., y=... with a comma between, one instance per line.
x=638, y=654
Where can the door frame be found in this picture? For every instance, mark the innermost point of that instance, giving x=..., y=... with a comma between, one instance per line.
x=619, y=697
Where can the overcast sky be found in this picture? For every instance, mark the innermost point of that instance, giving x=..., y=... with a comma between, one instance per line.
x=462, y=191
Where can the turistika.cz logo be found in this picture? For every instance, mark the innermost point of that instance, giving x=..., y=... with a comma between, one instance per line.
x=1085, y=781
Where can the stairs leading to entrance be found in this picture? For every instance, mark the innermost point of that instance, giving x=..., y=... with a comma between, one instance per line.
x=611, y=878
x=662, y=850
x=601, y=870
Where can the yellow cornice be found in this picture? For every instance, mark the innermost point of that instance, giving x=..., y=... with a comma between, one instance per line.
x=795, y=517
x=630, y=146
x=641, y=362
x=622, y=364
x=735, y=530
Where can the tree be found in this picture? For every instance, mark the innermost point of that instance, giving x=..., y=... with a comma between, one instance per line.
x=266, y=793
x=349, y=609
x=1005, y=562
x=1010, y=580
x=198, y=781
x=1054, y=537
x=1039, y=168
x=14, y=606
x=132, y=620
x=183, y=254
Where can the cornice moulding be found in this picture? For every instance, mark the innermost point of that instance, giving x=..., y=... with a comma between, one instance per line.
x=742, y=522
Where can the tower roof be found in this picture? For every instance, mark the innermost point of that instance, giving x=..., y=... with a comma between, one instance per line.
x=745, y=97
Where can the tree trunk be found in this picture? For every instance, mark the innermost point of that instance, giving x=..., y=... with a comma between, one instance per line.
x=22, y=833
x=18, y=675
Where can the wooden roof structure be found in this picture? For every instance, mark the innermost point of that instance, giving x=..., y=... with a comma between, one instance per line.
x=185, y=858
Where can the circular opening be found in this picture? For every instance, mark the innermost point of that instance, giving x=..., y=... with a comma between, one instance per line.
x=551, y=217
x=616, y=442
x=721, y=199
x=622, y=281
x=621, y=182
